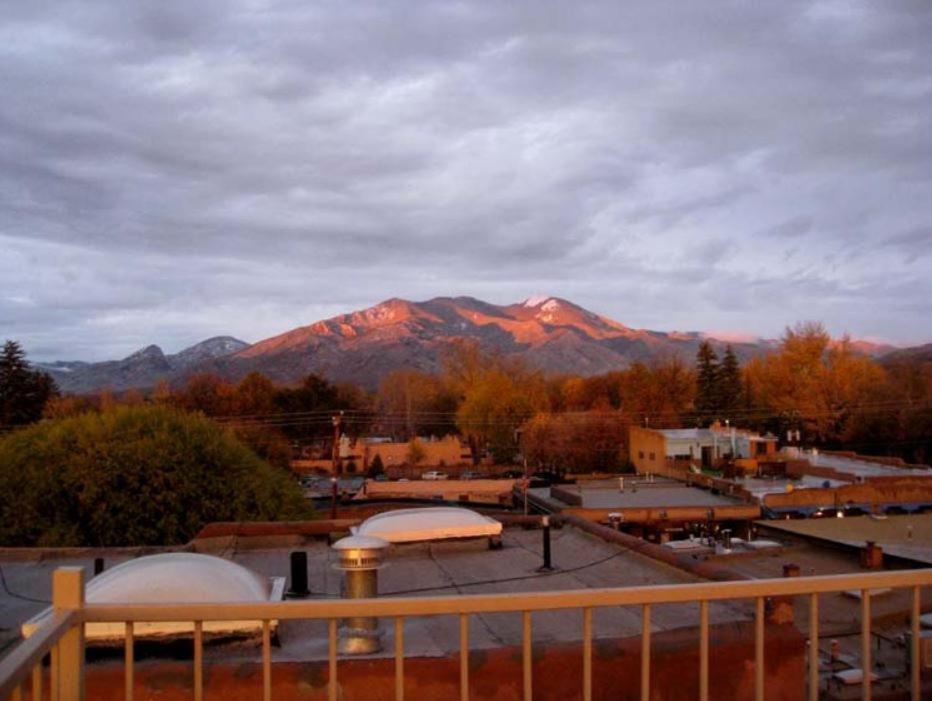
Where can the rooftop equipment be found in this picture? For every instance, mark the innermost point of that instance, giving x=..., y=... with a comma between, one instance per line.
x=173, y=578
x=298, y=589
x=430, y=523
x=360, y=558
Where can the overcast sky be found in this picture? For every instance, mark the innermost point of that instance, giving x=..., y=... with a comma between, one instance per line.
x=175, y=170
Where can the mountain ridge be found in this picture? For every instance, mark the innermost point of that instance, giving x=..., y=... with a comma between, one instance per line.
x=362, y=346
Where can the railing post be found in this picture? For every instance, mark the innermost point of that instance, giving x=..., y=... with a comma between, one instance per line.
x=68, y=593
x=915, y=684
x=704, y=650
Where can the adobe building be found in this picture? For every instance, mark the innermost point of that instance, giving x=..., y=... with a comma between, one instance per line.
x=654, y=449
x=448, y=451
x=357, y=455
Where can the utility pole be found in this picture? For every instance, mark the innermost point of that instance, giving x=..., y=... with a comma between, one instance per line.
x=337, y=430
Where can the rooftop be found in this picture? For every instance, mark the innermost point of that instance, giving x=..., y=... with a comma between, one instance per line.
x=638, y=494
x=469, y=567
x=861, y=468
x=907, y=536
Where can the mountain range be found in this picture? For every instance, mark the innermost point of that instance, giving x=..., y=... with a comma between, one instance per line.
x=550, y=333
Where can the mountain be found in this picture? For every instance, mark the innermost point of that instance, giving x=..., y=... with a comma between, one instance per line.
x=916, y=354
x=142, y=369
x=550, y=333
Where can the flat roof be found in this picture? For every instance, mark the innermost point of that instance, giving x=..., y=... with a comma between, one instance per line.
x=762, y=486
x=908, y=536
x=466, y=567
x=860, y=468
x=838, y=614
x=662, y=492
x=685, y=433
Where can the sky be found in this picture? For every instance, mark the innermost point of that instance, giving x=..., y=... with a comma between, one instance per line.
x=171, y=171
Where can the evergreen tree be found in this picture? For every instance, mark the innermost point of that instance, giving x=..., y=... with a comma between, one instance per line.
x=23, y=391
x=730, y=386
x=376, y=467
x=708, y=398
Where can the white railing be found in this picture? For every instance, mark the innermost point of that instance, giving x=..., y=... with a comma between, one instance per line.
x=62, y=636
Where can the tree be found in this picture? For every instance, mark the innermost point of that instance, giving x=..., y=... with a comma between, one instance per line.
x=659, y=393
x=148, y=475
x=575, y=441
x=254, y=396
x=816, y=386
x=23, y=391
x=731, y=385
x=376, y=467
x=495, y=407
x=415, y=453
x=708, y=397
x=412, y=403
x=207, y=393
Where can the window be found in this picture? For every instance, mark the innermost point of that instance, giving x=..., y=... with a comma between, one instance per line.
x=641, y=454
x=653, y=456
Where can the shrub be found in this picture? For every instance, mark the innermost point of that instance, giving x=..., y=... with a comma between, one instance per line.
x=133, y=476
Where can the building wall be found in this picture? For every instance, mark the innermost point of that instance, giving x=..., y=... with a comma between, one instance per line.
x=449, y=450
x=497, y=673
x=648, y=449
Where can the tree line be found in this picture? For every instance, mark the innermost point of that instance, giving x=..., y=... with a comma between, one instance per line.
x=833, y=395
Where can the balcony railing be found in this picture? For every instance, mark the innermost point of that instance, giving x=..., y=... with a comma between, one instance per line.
x=61, y=637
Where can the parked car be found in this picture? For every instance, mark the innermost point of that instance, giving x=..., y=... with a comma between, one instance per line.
x=512, y=474
x=470, y=475
x=435, y=475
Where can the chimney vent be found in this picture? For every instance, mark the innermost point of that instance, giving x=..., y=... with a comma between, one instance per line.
x=360, y=558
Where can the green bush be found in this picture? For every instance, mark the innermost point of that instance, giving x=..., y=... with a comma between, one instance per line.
x=133, y=476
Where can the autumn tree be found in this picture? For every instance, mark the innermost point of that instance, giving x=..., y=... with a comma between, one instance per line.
x=815, y=385
x=411, y=403
x=415, y=453
x=497, y=395
x=207, y=393
x=659, y=393
x=584, y=441
x=254, y=395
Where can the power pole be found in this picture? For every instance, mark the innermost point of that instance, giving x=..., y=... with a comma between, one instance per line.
x=337, y=431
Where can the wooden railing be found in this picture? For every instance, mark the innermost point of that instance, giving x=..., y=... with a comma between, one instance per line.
x=62, y=636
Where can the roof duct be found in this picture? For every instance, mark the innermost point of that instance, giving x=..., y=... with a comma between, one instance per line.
x=360, y=558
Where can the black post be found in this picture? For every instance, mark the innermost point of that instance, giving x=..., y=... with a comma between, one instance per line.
x=298, y=588
x=545, y=523
x=98, y=565
x=333, y=498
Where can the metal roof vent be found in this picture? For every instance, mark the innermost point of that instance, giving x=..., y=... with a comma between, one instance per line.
x=360, y=557
x=360, y=552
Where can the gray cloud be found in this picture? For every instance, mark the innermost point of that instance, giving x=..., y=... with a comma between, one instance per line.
x=170, y=170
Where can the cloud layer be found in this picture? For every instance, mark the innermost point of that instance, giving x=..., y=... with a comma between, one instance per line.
x=172, y=170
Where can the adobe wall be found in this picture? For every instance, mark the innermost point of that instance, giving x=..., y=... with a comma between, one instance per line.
x=642, y=442
x=482, y=490
x=895, y=490
x=495, y=675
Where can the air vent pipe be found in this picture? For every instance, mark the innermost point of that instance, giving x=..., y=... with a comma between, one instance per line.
x=298, y=588
x=360, y=558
